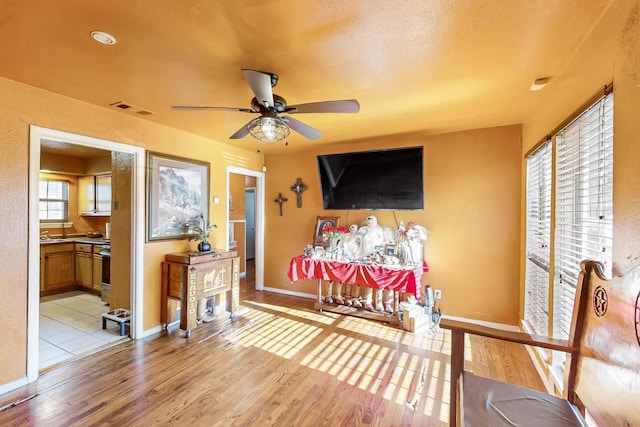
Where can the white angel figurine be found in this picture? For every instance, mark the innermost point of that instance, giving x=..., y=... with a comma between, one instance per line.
x=372, y=235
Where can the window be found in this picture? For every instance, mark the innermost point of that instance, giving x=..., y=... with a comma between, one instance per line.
x=584, y=203
x=54, y=200
x=582, y=213
x=538, y=240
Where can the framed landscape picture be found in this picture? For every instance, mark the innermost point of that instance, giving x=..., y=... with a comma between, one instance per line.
x=177, y=196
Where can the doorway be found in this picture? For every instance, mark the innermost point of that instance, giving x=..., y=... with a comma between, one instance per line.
x=38, y=134
x=254, y=215
x=250, y=216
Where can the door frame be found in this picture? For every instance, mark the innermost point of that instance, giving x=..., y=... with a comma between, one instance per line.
x=259, y=255
x=36, y=134
x=246, y=190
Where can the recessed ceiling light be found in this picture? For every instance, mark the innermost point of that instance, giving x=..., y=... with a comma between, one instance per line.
x=102, y=37
x=538, y=84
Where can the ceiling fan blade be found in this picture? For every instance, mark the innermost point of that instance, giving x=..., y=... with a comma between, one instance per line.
x=242, y=132
x=343, y=106
x=260, y=85
x=303, y=129
x=197, y=107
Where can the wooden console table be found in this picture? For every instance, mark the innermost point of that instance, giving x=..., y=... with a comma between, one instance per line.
x=397, y=279
x=189, y=277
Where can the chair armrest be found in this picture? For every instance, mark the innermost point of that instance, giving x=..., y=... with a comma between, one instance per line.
x=460, y=328
x=463, y=327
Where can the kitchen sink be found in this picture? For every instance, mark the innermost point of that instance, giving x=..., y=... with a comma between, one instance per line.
x=56, y=240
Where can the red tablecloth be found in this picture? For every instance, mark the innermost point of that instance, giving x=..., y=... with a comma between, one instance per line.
x=373, y=276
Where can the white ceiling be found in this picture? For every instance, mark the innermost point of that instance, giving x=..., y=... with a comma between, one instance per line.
x=414, y=65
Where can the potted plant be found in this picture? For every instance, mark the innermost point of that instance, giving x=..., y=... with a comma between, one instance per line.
x=202, y=229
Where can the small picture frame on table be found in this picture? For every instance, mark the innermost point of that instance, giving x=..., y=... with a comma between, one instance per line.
x=390, y=249
x=322, y=222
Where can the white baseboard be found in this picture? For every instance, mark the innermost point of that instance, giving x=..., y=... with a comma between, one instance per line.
x=5, y=388
x=483, y=323
x=154, y=330
x=292, y=293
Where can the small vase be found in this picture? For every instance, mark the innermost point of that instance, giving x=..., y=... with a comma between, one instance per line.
x=333, y=244
x=204, y=246
x=333, y=247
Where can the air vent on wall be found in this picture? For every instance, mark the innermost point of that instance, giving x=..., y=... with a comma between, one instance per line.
x=131, y=107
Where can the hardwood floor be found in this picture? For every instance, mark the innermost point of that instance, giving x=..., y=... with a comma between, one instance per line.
x=279, y=363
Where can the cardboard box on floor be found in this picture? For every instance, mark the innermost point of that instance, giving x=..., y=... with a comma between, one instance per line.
x=416, y=319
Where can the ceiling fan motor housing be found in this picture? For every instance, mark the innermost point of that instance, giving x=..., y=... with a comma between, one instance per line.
x=274, y=79
x=280, y=104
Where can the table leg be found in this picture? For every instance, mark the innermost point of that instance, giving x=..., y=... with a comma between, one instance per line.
x=319, y=290
x=397, y=297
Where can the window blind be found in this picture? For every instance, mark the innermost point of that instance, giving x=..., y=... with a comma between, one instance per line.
x=538, y=237
x=54, y=200
x=584, y=203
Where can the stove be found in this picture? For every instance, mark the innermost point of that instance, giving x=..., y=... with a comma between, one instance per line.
x=105, y=252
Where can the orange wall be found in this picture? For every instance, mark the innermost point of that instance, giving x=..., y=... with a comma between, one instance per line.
x=23, y=106
x=626, y=151
x=472, y=210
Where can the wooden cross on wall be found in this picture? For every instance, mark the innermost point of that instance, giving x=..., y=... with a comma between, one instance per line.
x=298, y=188
x=280, y=200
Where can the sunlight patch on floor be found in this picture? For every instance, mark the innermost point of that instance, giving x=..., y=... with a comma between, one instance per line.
x=398, y=376
x=413, y=371
x=278, y=335
x=326, y=318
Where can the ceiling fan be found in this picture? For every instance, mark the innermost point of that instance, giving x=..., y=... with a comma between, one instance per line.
x=271, y=126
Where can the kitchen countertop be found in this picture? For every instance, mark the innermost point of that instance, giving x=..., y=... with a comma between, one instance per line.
x=75, y=239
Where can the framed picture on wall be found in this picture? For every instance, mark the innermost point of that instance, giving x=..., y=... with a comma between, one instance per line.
x=322, y=222
x=177, y=196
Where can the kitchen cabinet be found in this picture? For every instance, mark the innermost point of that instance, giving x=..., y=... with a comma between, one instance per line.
x=57, y=268
x=84, y=265
x=86, y=195
x=94, y=195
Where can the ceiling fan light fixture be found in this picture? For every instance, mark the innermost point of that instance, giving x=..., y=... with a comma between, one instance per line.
x=268, y=129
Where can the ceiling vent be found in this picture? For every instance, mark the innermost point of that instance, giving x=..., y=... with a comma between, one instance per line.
x=130, y=107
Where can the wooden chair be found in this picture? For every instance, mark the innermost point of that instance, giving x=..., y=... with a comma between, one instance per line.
x=602, y=371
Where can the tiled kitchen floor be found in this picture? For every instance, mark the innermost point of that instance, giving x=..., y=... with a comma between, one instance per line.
x=71, y=324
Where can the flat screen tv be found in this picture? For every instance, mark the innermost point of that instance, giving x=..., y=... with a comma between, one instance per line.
x=390, y=179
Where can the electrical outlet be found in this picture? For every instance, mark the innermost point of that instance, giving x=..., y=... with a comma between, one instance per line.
x=437, y=294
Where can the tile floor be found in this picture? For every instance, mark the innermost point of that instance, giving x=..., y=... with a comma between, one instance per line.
x=71, y=324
